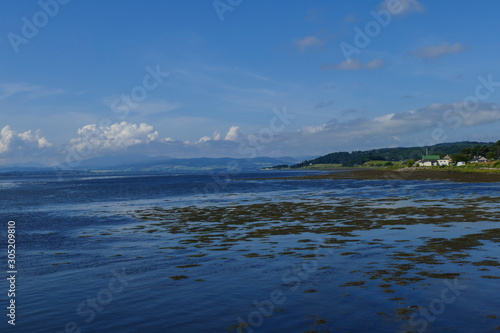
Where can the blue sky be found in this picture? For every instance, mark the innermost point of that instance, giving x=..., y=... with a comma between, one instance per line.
x=243, y=78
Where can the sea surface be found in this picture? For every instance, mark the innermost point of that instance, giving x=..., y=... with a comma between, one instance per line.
x=250, y=252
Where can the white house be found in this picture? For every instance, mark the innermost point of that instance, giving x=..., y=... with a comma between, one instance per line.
x=434, y=160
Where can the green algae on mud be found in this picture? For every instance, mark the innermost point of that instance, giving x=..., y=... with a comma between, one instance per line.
x=61, y=263
x=387, y=246
x=337, y=225
x=410, y=174
x=353, y=284
x=188, y=266
x=178, y=277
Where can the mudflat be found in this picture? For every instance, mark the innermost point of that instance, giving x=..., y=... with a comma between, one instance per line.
x=412, y=174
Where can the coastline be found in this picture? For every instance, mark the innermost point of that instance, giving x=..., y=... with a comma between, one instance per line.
x=411, y=174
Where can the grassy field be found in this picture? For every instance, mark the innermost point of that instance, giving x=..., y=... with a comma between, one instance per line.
x=379, y=163
x=488, y=167
x=322, y=166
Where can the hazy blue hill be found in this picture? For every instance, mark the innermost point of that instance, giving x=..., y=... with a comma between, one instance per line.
x=141, y=163
x=115, y=160
x=202, y=163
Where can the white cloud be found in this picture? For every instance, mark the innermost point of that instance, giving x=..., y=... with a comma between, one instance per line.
x=434, y=51
x=114, y=137
x=19, y=143
x=233, y=134
x=447, y=116
x=204, y=139
x=402, y=7
x=354, y=64
x=313, y=129
x=307, y=42
x=33, y=91
x=344, y=133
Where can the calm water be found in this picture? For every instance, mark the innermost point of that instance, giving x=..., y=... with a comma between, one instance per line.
x=246, y=253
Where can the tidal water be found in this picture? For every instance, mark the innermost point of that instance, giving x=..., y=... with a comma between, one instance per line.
x=250, y=252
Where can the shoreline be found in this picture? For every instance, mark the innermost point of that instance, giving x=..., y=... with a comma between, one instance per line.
x=409, y=174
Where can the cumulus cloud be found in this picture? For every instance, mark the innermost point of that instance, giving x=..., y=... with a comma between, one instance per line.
x=434, y=51
x=451, y=116
x=402, y=7
x=346, y=133
x=353, y=65
x=12, y=142
x=313, y=129
x=93, y=140
x=204, y=139
x=234, y=134
x=307, y=42
x=113, y=137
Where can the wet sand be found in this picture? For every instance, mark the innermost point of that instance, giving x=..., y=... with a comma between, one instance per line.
x=411, y=174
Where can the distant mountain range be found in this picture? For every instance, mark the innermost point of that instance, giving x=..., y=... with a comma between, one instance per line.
x=142, y=163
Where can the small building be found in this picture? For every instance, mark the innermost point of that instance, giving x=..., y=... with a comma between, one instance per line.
x=430, y=160
x=460, y=163
x=479, y=159
x=434, y=160
x=443, y=161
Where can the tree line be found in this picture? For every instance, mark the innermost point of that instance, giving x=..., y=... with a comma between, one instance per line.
x=457, y=150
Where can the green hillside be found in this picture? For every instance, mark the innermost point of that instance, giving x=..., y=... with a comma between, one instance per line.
x=347, y=159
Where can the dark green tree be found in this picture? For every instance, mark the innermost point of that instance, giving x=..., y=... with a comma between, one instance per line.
x=410, y=162
x=459, y=158
x=466, y=151
x=491, y=155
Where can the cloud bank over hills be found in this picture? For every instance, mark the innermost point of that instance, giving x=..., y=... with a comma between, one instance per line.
x=434, y=123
